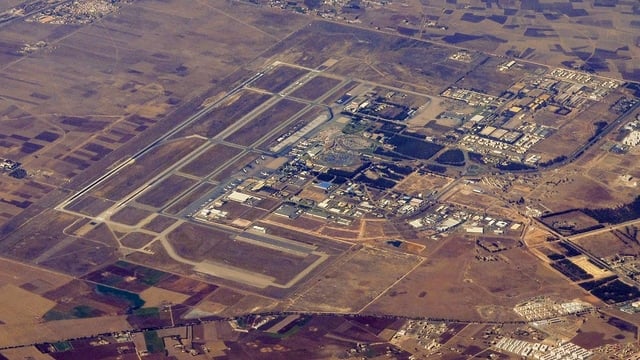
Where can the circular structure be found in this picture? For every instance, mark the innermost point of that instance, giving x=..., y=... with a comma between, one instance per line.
x=335, y=158
x=352, y=142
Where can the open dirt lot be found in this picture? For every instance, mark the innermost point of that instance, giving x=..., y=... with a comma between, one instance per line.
x=572, y=190
x=609, y=244
x=193, y=195
x=336, y=233
x=159, y=223
x=161, y=193
x=303, y=222
x=416, y=183
x=472, y=290
x=352, y=283
x=315, y=88
x=610, y=169
x=573, y=221
x=279, y=78
x=210, y=160
x=463, y=194
x=600, y=330
x=130, y=215
x=262, y=124
x=372, y=229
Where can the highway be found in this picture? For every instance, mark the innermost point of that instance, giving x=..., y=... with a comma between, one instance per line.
x=605, y=229
x=596, y=260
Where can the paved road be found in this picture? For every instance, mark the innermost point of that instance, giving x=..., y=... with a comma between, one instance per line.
x=605, y=229
x=576, y=246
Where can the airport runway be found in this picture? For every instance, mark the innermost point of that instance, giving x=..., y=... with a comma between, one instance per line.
x=211, y=267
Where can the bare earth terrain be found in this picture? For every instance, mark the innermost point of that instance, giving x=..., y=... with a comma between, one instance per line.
x=306, y=179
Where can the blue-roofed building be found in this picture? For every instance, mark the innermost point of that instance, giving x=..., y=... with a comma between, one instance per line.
x=324, y=185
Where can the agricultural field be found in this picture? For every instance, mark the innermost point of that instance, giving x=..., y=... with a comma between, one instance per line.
x=30, y=278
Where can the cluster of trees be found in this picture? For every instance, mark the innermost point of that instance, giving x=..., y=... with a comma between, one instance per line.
x=454, y=157
x=617, y=215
